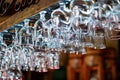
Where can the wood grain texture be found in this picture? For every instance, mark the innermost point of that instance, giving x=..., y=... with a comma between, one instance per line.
x=7, y=22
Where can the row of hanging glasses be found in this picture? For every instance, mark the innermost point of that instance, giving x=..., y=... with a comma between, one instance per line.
x=25, y=57
x=70, y=29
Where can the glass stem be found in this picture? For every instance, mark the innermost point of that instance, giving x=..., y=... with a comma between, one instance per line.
x=16, y=35
x=1, y=37
x=20, y=37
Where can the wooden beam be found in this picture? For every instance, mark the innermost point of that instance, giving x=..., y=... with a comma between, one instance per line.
x=27, y=12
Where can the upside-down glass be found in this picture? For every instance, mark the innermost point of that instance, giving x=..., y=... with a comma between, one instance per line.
x=98, y=35
x=38, y=48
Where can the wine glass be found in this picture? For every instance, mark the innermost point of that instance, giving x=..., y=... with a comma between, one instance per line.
x=43, y=62
x=98, y=35
x=56, y=60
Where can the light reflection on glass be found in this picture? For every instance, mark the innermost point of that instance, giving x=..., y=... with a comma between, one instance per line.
x=70, y=30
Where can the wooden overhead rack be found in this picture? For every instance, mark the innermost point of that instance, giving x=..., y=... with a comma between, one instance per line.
x=9, y=20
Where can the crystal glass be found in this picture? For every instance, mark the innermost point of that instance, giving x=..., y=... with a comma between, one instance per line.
x=56, y=60
x=70, y=30
x=50, y=59
x=98, y=35
x=113, y=26
x=113, y=31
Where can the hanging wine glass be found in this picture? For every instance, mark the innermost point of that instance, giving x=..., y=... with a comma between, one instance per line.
x=50, y=60
x=5, y=64
x=54, y=32
x=37, y=61
x=25, y=57
x=3, y=45
x=56, y=60
x=43, y=61
x=98, y=35
x=40, y=28
x=62, y=19
x=55, y=48
x=75, y=20
x=113, y=27
x=112, y=31
x=14, y=74
x=53, y=59
x=30, y=57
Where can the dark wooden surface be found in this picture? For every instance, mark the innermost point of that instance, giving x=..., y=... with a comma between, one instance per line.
x=8, y=21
